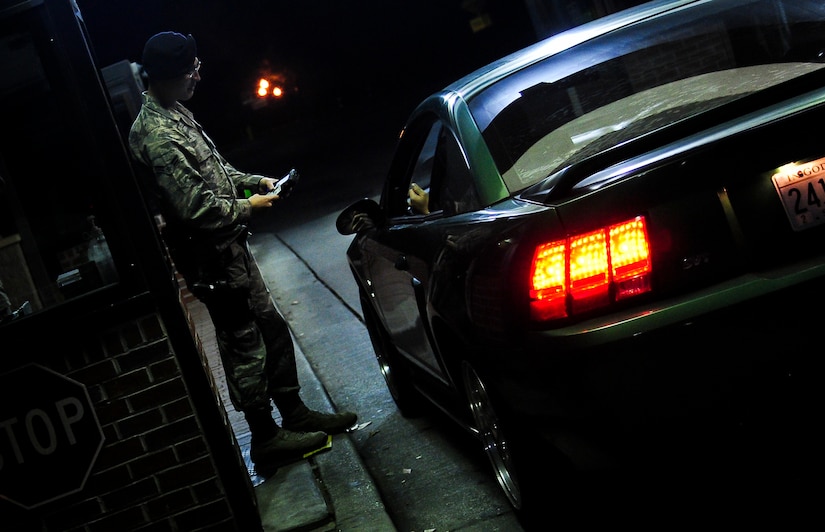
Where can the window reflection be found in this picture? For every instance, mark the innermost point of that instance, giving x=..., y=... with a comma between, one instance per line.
x=53, y=244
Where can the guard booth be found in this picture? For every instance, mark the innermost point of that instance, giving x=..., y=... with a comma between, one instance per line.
x=109, y=417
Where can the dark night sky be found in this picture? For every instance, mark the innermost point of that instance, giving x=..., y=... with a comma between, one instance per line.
x=341, y=55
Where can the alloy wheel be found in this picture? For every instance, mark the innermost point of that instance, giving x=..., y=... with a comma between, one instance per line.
x=496, y=445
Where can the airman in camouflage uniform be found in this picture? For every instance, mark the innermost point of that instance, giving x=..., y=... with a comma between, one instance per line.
x=199, y=195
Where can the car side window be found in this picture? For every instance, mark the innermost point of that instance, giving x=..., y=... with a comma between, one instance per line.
x=455, y=190
x=414, y=166
x=423, y=169
x=437, y=165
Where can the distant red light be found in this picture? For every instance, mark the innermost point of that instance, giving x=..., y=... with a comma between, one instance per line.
x=268, y=87
x=263, y=88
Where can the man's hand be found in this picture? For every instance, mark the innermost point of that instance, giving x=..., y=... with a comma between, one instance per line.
x=261, y=201
x=265, y=197
x=419, y=199
x=266, y=184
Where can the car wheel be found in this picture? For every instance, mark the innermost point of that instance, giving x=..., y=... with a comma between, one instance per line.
x=493, y=436
x=522, y=462
x=396, y=374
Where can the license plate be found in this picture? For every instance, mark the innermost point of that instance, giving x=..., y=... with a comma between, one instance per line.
x=801, y=187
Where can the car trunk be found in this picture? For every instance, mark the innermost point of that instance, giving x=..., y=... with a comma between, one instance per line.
x=714, y=214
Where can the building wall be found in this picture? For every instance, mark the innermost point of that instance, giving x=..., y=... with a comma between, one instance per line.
x=554, y=16
x=156, y=467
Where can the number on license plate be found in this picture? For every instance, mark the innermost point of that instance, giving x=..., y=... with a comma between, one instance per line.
x=801, y=187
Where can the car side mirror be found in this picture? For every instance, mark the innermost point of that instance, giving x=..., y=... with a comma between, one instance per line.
x=363, y=214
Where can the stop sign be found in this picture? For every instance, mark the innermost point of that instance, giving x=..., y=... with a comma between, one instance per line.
x=49, y=435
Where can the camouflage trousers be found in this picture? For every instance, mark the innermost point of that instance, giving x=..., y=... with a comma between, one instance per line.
x=253, y=338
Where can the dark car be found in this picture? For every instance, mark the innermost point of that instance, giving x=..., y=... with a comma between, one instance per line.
x=622, y=264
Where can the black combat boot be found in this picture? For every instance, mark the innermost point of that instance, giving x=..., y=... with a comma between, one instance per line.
x=304, y=419
x=273, y=446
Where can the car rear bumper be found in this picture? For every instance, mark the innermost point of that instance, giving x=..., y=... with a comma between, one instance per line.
x=738, y=365
x=789, y=288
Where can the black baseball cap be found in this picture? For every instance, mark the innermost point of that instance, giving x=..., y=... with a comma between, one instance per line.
x=168, y=55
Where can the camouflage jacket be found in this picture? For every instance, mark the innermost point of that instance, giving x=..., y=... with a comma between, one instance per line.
x=195, y=188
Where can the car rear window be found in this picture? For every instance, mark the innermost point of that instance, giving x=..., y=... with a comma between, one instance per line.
x=643, y=77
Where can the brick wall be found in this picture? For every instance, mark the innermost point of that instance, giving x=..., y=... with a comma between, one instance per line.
x=707, y=51
x=155, y=470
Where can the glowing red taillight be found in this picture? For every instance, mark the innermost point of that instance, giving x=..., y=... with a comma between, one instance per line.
x=590, y=270
x=630, y=258
x=548, y=281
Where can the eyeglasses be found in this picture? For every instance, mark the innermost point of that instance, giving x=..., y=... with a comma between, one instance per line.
x=194, y=70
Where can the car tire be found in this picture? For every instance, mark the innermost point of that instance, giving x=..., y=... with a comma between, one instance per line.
x=492, y=434
x=527, y=469
x=396, y=374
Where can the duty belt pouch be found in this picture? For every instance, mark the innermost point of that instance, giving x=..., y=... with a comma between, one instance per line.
x=225, y=276
x=205, y=290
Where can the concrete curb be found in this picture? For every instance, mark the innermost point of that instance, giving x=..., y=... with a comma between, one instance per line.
x=328, y=491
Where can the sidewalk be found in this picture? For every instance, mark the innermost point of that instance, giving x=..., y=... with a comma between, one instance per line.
x=328, y=491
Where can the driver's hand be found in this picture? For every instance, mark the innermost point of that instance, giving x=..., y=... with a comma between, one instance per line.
x=419, y=199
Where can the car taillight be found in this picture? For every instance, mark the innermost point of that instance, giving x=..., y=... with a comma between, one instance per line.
x=590, y=270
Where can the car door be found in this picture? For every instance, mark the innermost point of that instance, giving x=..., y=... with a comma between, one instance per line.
x=406, y=250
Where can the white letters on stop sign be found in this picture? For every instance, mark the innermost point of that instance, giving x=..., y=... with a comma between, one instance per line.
x=21, y=438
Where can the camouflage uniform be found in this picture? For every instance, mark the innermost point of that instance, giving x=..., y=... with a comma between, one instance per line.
x=197, y=191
